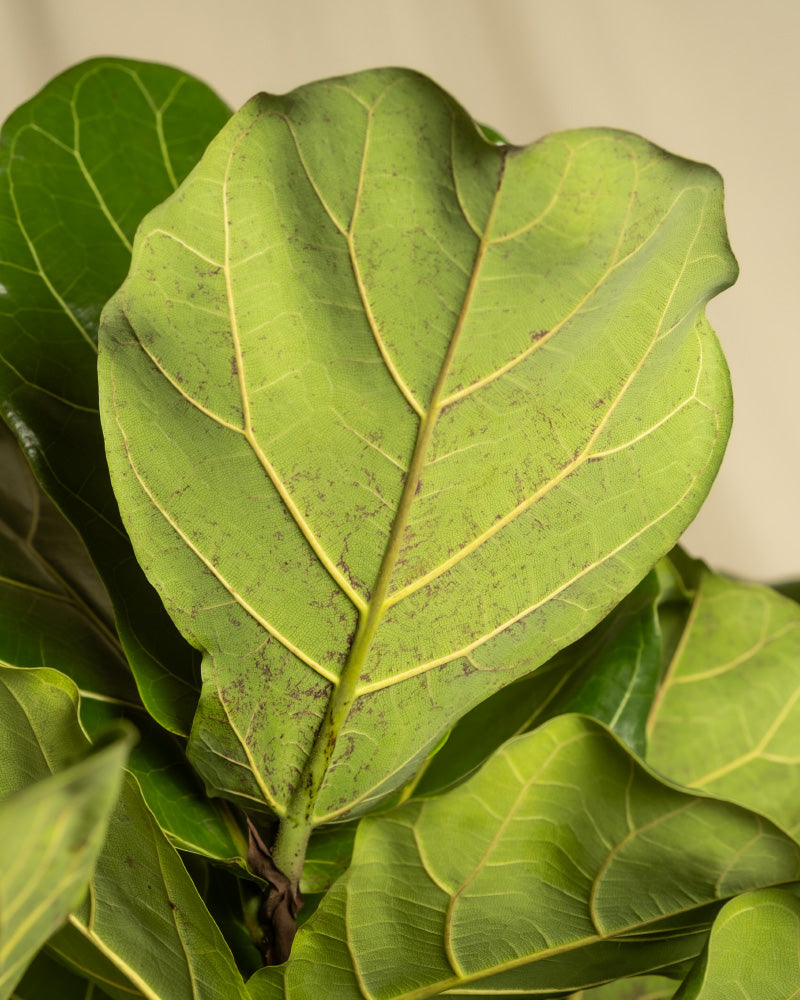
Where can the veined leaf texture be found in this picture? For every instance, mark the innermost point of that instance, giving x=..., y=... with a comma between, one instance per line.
x=394, y=413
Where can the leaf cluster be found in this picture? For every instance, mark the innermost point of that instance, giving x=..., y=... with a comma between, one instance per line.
x=344, y=646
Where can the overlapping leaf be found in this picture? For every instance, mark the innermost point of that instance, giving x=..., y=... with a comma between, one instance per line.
x=52, y=832
x=611, y=674
x=80, y=165
x=638, y=988
x=47, y=978
x=54, y=613
x=728, y=712
x=394, y=413
x=753, y=952
x=143, y=927
x=563, y=863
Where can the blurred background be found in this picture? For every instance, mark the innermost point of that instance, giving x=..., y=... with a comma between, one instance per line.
x=709, y=79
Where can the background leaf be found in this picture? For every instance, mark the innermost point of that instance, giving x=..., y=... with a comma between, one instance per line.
x=143, y=924
x=80, y=164
x=394, y=413
x=167, y=945
x=562, y=863
x=54, y=612
x=753, y=952
x=728, y=711
x=47, y=978
x=639, y=988
x=52, y=829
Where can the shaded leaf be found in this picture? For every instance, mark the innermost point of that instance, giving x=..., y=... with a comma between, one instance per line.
x=166, y=945
x=563, y=863
x=140, y=875
x=728, y=712
x=51, y=830
x=80, y=164
x=394, y=413
x=790, y=589
x=639, y=988
x=753, y=952
x=328, y=856
x=54, y=613
x=47, y=978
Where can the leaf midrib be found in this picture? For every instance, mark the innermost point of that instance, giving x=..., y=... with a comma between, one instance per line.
x=301, y=806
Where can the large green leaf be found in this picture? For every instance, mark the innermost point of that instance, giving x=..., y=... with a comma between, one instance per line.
x=563, y=863
x=143, y=927
x=54, y=613
x=80, y=164
x=52, y=825
x=727, y=714
x=753, y=952
x=393, y=413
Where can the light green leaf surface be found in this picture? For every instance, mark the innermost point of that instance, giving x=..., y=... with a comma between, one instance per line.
x=727, y=715
x=51, y=830
x=394, y=413
x=611, y=674
x=563, y=863
x=753, y=952
x=143, y=926
x=80, y=164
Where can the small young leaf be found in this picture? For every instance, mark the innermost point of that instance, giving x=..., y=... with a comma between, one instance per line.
x=80, y=164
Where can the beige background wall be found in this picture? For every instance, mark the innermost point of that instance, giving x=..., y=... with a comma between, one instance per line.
x=715, y=80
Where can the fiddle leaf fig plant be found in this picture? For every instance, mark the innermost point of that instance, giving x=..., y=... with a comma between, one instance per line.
x=352, y=447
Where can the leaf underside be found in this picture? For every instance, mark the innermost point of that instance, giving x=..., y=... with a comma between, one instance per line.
x=394, y=413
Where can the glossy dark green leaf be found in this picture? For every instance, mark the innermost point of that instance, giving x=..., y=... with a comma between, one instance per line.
x=790, y=589
x=80, y=164
x=564, y=862
x=727, y=714
x=55, y=804
x=753, y=952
